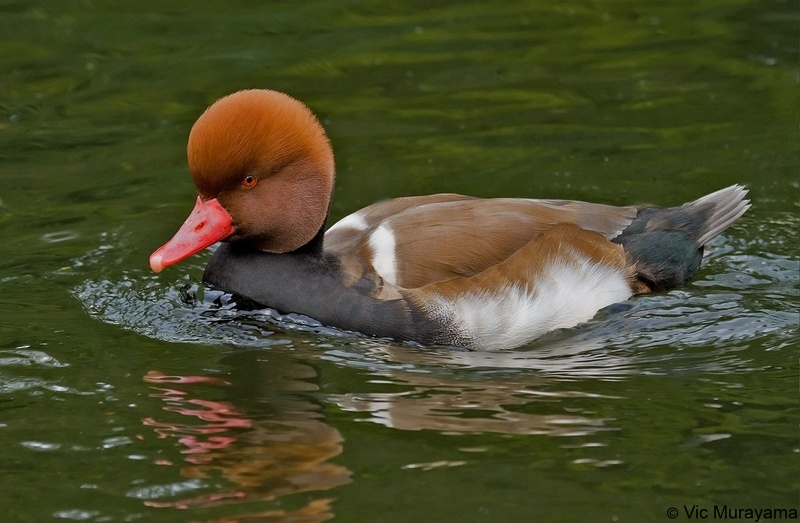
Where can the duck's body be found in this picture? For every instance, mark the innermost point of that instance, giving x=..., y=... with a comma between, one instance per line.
x=438, y=269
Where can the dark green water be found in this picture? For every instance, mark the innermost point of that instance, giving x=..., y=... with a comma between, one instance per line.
x=126, y=396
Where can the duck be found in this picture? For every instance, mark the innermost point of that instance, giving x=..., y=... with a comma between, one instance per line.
x=436, y=270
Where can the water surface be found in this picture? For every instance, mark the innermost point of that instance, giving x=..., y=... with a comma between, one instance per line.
x=129, y=396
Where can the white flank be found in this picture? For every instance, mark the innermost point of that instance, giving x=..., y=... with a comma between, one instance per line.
x=351, y=221
x=567, y=292
x=382, y=243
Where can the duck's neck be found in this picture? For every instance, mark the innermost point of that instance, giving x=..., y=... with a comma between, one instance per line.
x=314, y=247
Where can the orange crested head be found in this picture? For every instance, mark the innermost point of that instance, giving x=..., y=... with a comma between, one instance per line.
x=264, y=173
x=256, y=131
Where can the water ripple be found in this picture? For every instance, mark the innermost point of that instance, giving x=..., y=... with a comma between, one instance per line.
x=25, y=357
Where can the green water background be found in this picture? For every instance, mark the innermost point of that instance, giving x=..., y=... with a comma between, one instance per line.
x=126, y=396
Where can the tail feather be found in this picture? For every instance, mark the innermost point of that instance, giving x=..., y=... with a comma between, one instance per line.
x=727, y=205
x=667, y=244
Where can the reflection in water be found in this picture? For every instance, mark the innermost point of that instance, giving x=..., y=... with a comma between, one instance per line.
x=264, y=457
x=460, y=406
x=220, y=417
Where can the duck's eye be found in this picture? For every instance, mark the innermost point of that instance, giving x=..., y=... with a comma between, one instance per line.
x=249, y=181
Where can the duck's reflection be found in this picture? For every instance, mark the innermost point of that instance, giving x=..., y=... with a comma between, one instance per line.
x=268, y=437
x=462, y=406
x=270, y=441
x=457, y=391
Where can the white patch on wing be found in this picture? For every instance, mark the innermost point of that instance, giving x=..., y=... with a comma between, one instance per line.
x=351, y=221
x=382, y=243
x=567, y=292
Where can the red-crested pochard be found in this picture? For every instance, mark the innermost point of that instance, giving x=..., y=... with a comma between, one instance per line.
x=440, y=269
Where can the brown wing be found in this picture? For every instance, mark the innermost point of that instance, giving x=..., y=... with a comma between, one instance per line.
x=443, y=236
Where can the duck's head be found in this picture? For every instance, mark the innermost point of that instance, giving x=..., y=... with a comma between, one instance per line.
x=264, y=173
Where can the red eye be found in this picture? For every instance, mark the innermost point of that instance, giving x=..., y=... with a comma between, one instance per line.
x=249, y=181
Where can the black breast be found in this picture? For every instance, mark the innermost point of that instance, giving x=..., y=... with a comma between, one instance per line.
x=310, y=283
